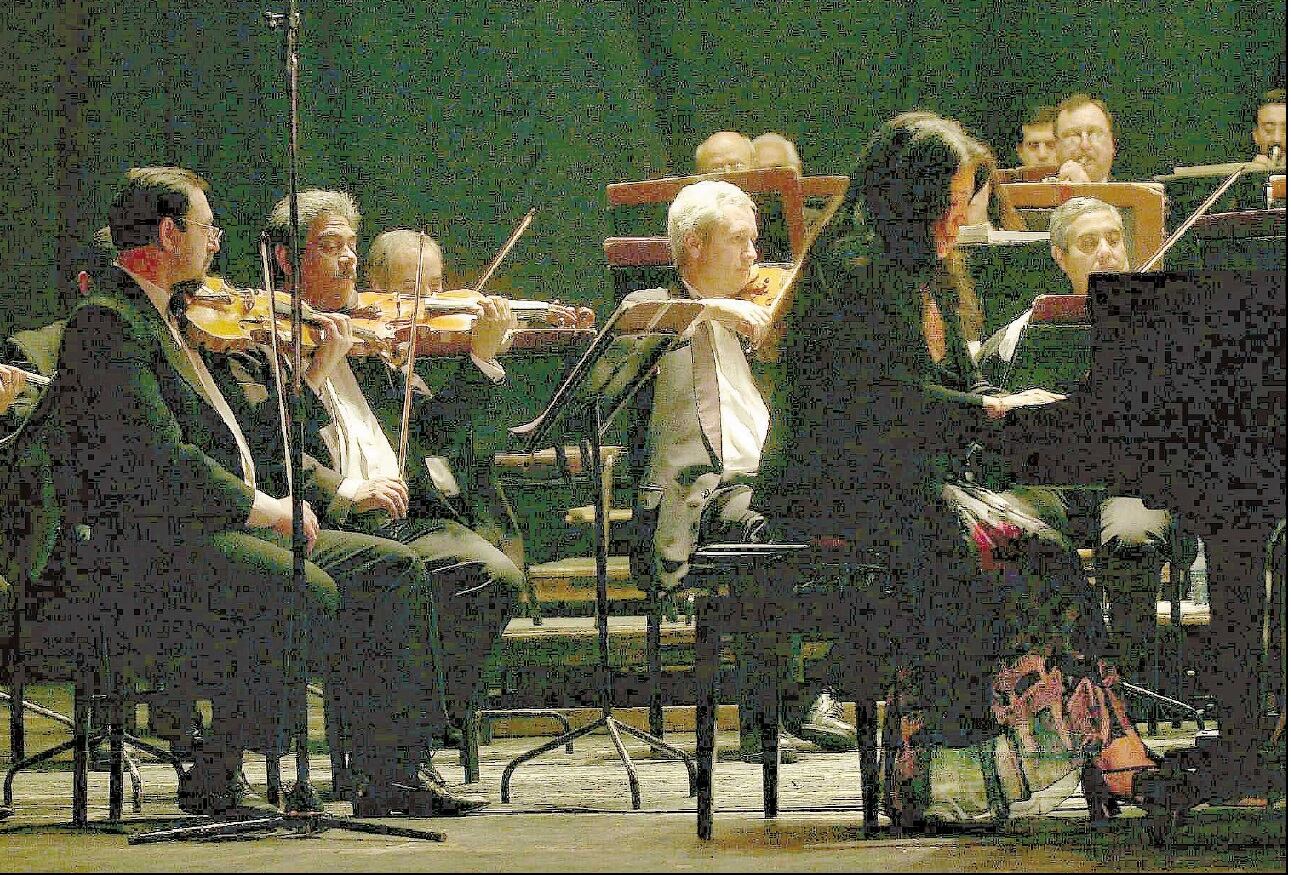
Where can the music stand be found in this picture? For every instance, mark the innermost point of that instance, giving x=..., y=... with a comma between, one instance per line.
x=617, y=365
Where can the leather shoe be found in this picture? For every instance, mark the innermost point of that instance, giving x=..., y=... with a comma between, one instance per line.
x=422, y=799
x=210, y=788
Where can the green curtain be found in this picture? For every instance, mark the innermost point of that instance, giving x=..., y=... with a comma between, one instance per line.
x=461, y=116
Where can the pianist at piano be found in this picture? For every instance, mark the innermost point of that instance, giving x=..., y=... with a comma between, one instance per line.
x=881, y=398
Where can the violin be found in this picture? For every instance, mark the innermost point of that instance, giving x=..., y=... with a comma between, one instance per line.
x=222, y=318
x=765, y=283
x=445, y=321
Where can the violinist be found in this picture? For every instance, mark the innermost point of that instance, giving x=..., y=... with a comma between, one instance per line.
x=706, y=419
x=1270, y=131
x=354, y=429
x=1086, y=236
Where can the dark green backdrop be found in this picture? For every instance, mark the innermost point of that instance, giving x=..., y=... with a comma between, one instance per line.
x=463, y=115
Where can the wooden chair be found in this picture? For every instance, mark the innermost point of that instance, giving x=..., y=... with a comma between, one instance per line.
x=1143, y=202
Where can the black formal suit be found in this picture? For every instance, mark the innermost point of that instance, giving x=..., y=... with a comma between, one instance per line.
x=154, y=534
x=474, y=584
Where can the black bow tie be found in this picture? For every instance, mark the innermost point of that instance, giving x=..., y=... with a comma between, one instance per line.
x=178, y=304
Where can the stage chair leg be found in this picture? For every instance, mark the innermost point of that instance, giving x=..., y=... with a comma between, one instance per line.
x=867, y=728
x=81, y=754
x=116, y=756
x=767, y=649
x=273, y=779
x=470, y=753
x=654, y=663
x=707, y=651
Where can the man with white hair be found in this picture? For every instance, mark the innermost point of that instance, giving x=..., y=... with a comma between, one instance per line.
x=776, y=150
x=707, y=420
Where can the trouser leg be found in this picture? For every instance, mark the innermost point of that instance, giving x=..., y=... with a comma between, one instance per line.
x=475, y=589
x=376, y=647
x=247, y=636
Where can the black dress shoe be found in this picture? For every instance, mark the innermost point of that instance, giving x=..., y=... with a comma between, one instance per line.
x=422, y=799
x=210, y=789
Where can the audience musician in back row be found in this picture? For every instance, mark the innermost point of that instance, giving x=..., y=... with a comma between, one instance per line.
x=724, y=152
x=1086, y=135
x=1271, y=129
x=1038, y=146
x=881, y=398
x=776, y=150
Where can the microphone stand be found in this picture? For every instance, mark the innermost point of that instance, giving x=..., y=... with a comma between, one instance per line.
x=303, y=809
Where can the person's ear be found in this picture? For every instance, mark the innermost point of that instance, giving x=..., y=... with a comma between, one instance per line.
x=168, y=234
x=283, y=257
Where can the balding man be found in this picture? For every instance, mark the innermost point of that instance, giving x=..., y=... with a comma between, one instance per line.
x=776, y=150
x=724, y=152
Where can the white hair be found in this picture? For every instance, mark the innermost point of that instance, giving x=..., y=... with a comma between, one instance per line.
x=1061, y=219
x=698, y=207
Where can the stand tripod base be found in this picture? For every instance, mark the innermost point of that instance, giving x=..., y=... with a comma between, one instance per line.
x=302, y=824
x=612, y=727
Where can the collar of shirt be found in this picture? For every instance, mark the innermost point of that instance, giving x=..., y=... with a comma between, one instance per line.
x=160, y=297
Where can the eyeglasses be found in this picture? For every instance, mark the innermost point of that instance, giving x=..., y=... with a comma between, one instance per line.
x=1095, y=135
x=213, y=233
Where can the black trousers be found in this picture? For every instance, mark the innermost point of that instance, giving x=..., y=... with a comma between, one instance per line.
x=475, y=589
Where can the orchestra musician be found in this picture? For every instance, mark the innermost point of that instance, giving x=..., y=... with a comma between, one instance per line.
x=1086, y=137
x=881, y=397
x=776, y=150
x=724, y=152
x=1086, y=236
x=354, y=428
x=163, y=526
x=1039, y=145
x=1271, y=129
x=707, y=419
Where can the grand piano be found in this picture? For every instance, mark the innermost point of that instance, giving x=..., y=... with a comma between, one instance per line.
x=1186, y=407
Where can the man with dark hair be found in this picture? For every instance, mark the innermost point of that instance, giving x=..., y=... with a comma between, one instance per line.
x=1270, y=131
x=165, y=530
x=1086, y=137
x=1038, y=146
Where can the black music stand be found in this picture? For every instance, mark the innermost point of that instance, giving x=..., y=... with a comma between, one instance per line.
x=616, y=366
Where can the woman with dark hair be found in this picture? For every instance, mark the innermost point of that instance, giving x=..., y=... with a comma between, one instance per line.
x=876, y=409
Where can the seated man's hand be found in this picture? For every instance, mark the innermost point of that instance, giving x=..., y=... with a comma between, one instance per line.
x=1263, y=160
x=337, y=339
x=388, y=495
x=1073, y=171
x=743, y=317
x=12, y=382
x=280, y=522
x=491, y=334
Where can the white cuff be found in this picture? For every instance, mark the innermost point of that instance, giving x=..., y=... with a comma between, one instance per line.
x=349, y=488
x=262, y=511
x=492, y=370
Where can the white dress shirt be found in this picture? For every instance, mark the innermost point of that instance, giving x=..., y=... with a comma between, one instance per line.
x=743, y=411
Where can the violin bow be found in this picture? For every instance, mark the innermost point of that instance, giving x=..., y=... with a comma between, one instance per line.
x=276, y=357
x=409, y=373
x=505, y=250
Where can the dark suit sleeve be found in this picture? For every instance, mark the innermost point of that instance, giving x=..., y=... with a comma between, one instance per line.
x=133, y=454
x=247, y=382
